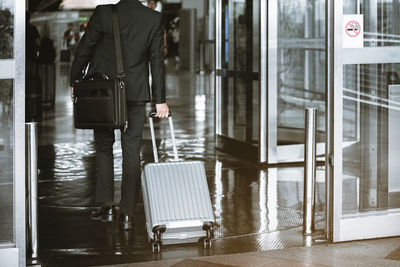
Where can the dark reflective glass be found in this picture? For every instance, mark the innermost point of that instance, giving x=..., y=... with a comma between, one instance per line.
x=240, y=109
x=240, y=62
x=6, y=29
x=6, y=161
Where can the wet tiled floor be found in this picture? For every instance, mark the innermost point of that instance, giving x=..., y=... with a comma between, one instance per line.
x=256, y=209
x=368, y=253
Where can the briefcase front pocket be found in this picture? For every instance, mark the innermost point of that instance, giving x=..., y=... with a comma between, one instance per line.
x=99, y=104
x=95, y=106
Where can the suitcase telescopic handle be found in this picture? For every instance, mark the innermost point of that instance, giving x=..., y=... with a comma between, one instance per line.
x=153, y=136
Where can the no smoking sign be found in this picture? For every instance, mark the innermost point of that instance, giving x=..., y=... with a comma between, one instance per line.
x=353, y=32
x=353, y=28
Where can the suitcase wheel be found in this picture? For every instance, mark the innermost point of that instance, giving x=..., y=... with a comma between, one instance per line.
x=157, y=240
x=209, y=228
x=156, y=246
x=207, y=243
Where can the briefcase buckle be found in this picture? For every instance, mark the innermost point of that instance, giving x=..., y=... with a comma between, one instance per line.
x=121, y=84
x=121, y=75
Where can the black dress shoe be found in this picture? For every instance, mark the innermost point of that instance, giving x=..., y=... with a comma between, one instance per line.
x=104, y=214
x=126, y=222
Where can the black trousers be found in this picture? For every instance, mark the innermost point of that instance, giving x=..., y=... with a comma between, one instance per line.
x=131, y=141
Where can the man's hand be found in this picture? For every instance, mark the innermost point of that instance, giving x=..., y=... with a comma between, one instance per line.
x=162, y=110
x=72, y=93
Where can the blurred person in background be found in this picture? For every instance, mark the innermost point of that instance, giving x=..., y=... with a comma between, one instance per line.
x=82, y=28
x=173, y=36
x=68, y=35
x=32, y=80
x=47, y=52
x=67, y=45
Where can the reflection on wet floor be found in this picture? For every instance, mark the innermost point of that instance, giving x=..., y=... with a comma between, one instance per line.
x=256, y=209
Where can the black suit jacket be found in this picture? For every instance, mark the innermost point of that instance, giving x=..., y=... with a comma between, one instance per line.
x=142, y=40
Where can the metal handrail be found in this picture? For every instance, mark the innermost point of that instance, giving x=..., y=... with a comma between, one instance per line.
x=309, y=171
x=31, y=131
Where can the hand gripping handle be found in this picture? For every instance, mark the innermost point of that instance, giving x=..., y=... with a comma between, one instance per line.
x=153, y=136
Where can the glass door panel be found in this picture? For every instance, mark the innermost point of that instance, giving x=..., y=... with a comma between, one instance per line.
x=366, y=128
x=239, y=76
x=6, y=162
x=371, y=176
x=12, y=133
x=298, y=74
x=6, y=124
x=301, y=62
x=382, y=20
x=7, y=30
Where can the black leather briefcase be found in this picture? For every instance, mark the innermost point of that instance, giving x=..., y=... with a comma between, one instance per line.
x=100, y=102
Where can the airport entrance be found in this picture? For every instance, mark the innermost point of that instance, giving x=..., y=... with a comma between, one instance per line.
x=364, y=119
x=273, y=59
x=270, y=66
x=341, y=57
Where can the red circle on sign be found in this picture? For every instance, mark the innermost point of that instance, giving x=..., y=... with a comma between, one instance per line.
x=353, y=28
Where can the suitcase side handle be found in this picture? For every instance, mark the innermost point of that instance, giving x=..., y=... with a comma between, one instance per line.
x=153, y=136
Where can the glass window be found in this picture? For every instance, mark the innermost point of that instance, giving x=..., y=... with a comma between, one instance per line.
x=371, y=130
x=240, y=64
x=6, y=126
x=381, y=20
x=301, y=66
x=6, y=161
x=6, y=29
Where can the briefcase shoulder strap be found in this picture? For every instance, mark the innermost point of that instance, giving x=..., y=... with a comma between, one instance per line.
x=117, y=43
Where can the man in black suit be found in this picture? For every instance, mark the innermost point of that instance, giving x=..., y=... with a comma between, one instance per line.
x=142, y=41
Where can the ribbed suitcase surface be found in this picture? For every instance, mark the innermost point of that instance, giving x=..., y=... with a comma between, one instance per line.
x=175, y=188
x=176, y=199
x=177, y=196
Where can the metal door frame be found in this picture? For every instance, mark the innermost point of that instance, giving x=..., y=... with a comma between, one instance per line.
x=15, y=69
x=268, y=82
x=339, y=227
x=218, y=65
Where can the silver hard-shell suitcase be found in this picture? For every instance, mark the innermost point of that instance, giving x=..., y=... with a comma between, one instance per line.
x=176, y=199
